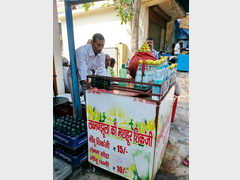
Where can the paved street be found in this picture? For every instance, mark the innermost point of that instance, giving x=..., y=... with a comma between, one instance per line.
x=178, y=146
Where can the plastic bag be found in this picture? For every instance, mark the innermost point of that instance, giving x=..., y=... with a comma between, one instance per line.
x=133, y=64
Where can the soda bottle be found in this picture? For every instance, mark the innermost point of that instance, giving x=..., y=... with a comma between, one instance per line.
x=151, y=70
x=57, y=126
x=73, y=133
x=78, y=129
x=123, y=74
x=158, y=79
x=60, y=127
x=138, y=77
x=146, y=75
x=68, y=131
x=64, y=129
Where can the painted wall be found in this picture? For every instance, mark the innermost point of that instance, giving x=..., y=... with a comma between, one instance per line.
x=57, y=51
x=101, y=21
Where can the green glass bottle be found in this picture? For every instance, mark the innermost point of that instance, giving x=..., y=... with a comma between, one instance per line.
x=68, y=131
x=56, y=126
x=73, y=126
x=64, y=129
x=60, y=127
x=73, y=133
x=78, y=129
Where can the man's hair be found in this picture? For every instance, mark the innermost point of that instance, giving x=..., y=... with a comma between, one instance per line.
x=112, y=62
x=150, y=39
x=97, y=36
x=65, y=61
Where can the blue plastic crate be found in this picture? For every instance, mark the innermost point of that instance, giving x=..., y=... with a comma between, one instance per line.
x=72, y=143
x=75, y=161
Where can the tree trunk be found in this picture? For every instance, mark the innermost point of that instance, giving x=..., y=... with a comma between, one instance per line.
x=135, y=26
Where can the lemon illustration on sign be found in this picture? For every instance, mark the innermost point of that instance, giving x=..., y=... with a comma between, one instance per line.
x=150, y=125
x=90, y=110
x=132, y=168
x=109, y=118
x=97, y=116
x=141, y=127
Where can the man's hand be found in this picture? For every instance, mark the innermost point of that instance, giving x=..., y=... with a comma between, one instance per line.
x=84, y=85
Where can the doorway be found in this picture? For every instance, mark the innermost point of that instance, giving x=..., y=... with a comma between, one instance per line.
x=157, y=27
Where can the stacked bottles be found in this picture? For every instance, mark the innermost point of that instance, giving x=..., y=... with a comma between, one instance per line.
x=70, y=126
x=158, y=79
x=147, y=76
x=164, y=76
x=156, y=72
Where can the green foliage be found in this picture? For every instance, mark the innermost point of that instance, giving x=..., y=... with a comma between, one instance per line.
x=124, y=8
x=86, y=6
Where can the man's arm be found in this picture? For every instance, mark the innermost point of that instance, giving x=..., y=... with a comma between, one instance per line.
x=81, y=60
x=177, y=47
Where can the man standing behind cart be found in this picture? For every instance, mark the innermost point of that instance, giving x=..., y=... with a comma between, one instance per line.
x=149, y=40
x=90, y=60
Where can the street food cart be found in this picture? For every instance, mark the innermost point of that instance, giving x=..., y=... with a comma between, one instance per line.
x=127, y=133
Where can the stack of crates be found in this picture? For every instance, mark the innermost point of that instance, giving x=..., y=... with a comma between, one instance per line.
x=70, y=137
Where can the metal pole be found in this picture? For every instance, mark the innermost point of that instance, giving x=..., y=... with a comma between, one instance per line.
x=71, y=46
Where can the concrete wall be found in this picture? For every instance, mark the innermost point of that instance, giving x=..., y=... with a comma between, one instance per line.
x=57, y=51
x=169, y=36
x=143, y=24
x=102, y=21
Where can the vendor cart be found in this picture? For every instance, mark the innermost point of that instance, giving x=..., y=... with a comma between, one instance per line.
x=127, y=133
